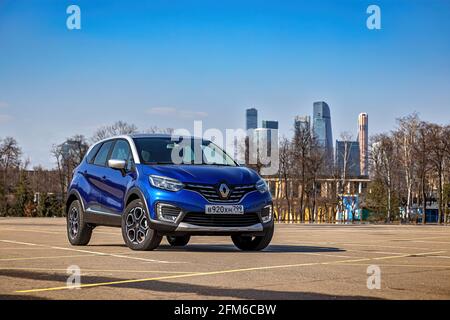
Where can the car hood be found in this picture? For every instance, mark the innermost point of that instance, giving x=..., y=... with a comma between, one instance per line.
x=205, y=174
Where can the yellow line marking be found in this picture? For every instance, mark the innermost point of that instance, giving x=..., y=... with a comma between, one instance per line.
x=399, y=265
x=189, y=275
x=89, y=252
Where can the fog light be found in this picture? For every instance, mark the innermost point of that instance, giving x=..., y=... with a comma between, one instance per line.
x=266, y=214
x=167, y=212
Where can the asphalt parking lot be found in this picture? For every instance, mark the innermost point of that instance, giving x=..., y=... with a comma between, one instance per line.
x=303, y=262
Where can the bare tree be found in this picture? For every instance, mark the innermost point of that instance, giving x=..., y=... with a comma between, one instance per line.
x=68, y=156
x=301, y=150
x=156, y=129
x=383, y=164
x=344, y=154
x=405, y=137
x=10, y=155
x=10, y=161
x=118, y=128
x=438, y=145
x=315, y=164
x=285, y=170
x=422, y=151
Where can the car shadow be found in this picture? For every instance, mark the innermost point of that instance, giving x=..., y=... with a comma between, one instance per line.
x=277, y=248
x=159, y=286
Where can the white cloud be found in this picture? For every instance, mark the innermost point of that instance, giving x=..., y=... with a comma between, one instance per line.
x=173, y=112
x=5, y=118
x=163, y=111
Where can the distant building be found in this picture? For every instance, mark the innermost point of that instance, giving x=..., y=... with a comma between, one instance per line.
x=322, y=126
x=270, y=124
x=363, y=139
x=302, y=123
x=251, y=118
x=347, y=158
x=263, y=137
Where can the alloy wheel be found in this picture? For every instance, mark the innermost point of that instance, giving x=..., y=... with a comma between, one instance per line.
x=74, y=222
x=137, y=226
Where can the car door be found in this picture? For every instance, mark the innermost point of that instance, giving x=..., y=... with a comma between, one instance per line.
x=117, y=181
x=97, y=176
x=90, y=193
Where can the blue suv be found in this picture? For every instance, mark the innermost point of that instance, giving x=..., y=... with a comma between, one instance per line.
x=157, y=185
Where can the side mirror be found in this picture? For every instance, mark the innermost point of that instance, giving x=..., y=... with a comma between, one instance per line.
x=117, y=164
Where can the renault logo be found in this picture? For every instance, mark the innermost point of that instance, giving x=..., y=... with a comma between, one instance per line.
x=224, y=191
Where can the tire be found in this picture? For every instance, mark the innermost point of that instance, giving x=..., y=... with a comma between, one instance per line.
x=78, y=232
x=178, y=241
x=248, y=243
x=136, y=231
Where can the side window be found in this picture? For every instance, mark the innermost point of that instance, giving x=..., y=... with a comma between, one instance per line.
x=90, y=156
x=121, y=151
x=102, y=155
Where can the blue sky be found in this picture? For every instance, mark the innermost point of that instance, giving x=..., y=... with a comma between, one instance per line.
x=167, y=63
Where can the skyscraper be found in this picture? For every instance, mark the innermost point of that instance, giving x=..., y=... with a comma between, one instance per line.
x=363, y=138
x=322, y=126
x=302, y=123
x=347, y=158
x=251, y=118
x=263, y=137
x=270, y=124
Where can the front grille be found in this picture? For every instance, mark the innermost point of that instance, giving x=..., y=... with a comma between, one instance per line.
x=221, y=220
x=211, y=193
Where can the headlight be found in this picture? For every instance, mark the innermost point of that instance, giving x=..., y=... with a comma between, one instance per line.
x=261, y=186
x=165, y=183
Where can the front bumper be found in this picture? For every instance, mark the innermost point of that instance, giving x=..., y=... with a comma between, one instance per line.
x=195, y=204
x=191, y=228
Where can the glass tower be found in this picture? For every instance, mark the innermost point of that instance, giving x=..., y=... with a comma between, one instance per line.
x=251, y=118
x=322, y=126
x=269, y=124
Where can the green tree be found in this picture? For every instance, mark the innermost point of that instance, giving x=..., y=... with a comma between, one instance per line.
x=376, y=200
x=48, y=206
x=23, y=197
x=446, y=200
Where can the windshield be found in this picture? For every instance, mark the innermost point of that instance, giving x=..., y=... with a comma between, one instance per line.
x=167, y=151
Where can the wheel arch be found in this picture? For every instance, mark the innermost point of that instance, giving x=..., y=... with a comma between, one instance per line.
x=71, y=197
x=135, y=194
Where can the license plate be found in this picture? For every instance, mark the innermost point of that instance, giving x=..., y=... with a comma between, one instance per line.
x=224, y=209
